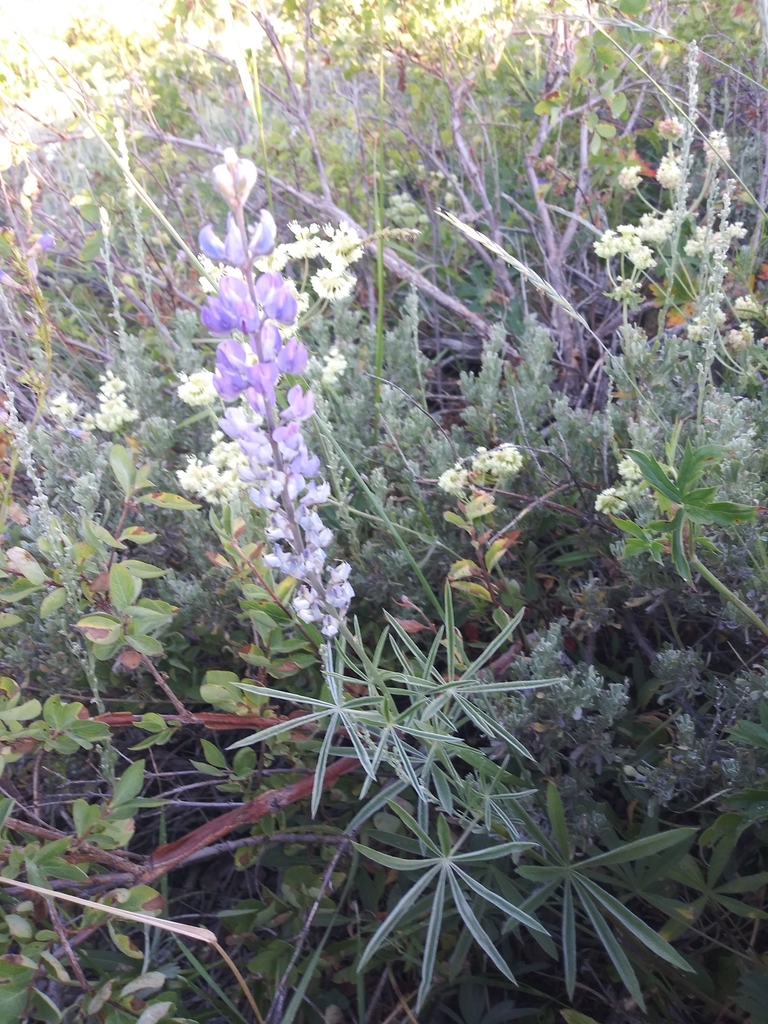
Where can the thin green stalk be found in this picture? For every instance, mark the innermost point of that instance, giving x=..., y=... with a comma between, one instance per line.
x=729, y=595
x=378, y=201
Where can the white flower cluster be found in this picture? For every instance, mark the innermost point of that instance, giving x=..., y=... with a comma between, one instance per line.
x=669, y=173
x=629, y=177
x=610, y=501
x=454, y=481
x=113, y=413
x=217, y=480
x=613, y=500
x=341, y=247
x=705, y=240
x=718, y=148
x=64, y=409
x=625, y=241
x=746, y=307
x=334, y=367
x=489, y=468
x=741, y=339
x=338, y=247
x=197, y=389
x=500, y=463
x=626, y=289
x=700, y=327
x=671, y=128
x=656, y=230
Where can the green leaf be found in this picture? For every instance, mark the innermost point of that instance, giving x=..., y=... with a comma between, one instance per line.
x=143, y=570
x=52, y=601
x=557, y=820
x=656, y=476
x=165, y=500
x=406, y=903
x=635, y=926
x=627, y=526
x=18, y=590
x=8, y=619
x=21, y=561
x=101, y=629
x=512, y=911
x=123, y=588
x=573, y=1016
x=144, y=644
x=23, y=712
x=569, y=939
x=129, y=784
x=679, y=557
x=429, y=955
x=396, y=863
x=213, y=755
x=138, y=535
x=478, y=933
x=612, y=947
x=154, y=1013
x=122, y=466
x=92, y=247
x=44, y=1008
x=647, y=847
x=97, y=536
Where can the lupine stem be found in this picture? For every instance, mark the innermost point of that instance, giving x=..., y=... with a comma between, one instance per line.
x=729, y=595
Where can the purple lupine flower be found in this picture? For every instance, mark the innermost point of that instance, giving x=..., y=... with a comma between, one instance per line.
x=217, y=317
x=46, y=241
x=210, y=244
x=229, y=378
x=317, y=494
x=263, y=236
x=306, y=464
x=276, y=298
x=236, y=425
x=301, y=404
x=293, y=358
x=230, y=250
x=262, y=378
x=271, y=342
x=233, y=294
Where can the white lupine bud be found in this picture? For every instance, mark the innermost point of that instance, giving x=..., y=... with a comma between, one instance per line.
x=235, y=178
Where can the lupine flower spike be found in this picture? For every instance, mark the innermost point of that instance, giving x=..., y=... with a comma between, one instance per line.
x=284, y=476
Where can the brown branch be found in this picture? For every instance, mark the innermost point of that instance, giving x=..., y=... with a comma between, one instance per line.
x=172, y=855
x=214, y=720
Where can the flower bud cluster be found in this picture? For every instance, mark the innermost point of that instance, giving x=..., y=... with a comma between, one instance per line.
x=746, y=307
x=113, y=413
x=615, y=499
x=282, y=476
x=489, y=468
x=218, y=480
x=197, y=389
x=64, y=409
x=629, y=177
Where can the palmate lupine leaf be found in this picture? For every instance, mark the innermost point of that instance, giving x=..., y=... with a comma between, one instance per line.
x=574, y=879
x=446, y=866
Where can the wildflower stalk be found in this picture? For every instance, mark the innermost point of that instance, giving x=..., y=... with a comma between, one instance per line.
x=279, y=464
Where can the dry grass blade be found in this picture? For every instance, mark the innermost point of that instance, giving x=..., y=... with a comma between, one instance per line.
x=530, y=275
x=189, y=931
